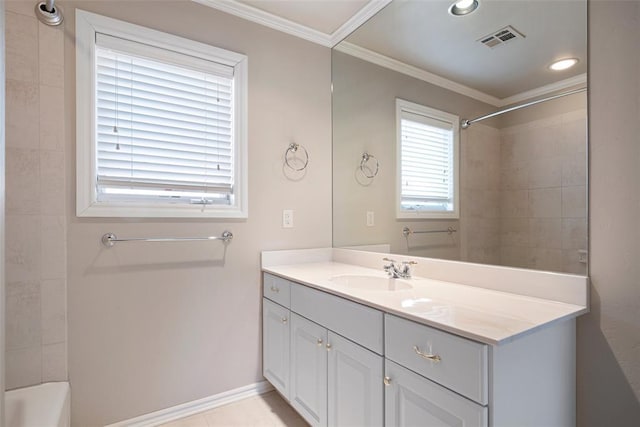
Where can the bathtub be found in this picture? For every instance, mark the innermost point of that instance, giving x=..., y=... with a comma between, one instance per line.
x=44, y=405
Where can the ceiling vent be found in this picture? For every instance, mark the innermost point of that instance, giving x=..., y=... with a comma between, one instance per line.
x=500, y=37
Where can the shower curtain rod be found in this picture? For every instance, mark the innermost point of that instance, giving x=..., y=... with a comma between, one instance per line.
x=466, y=123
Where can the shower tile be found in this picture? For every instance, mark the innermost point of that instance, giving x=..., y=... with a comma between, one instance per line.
x=51, y=55
x=574, y=138
x=514, y=204
x=574, y=202
x=570, y=263
x=514, y=256
x=20, y=6
x=514, y=232
x=545, y=173
x=54, y=311
x=22, y=248
x=54, y=236
x=52, y=182
x=21, y=41
x=51, y=118
x=545, y=233
x=574, y=171
x=574, y=233
x=54, y=362
x=515, y=177
x=23, y=367
x=23, y=320
x=546, y=142
x=23, y=181
x=23, y=121
x=545, y=203
x=545, y=259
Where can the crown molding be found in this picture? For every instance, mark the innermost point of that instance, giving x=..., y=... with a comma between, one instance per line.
x=362, y=16
x=418, y=73
x=269, y=20
x=578, y=80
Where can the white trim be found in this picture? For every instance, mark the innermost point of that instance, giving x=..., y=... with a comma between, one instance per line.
x=87, y=25
x=269, y=20
x=580, y=79
x=362, y=16
x=418, y=73
x=196, y=406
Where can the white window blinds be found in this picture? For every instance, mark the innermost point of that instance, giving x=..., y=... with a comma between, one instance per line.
x=427, y=163
x=164, y=125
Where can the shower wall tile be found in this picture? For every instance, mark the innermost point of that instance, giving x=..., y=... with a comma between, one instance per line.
x=22, y=248
x=574, y=202
x=51, y=55
x=545, y=173
x=21, y=47
x=514, y=232
x=22, y=181
x=514, y=256
x=52, y=182
x=54, y=311
x=514, y=204
x=23, y=325
x=23, y=367
x=574, y=233
x=545, y=259
x=54, y=236
x=545, y=203
x=570, y=263
x=574, y=171
x=515, y=176
x=22, y=115
x=545, y=233
x=35, y=254
x=51, y=118
x=54, y=362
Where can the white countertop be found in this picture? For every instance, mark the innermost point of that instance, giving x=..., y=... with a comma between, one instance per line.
x=485, y=315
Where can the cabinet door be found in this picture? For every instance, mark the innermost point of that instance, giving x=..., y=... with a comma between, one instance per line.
x=356, y=396
x=412, y=400
x=309, y=370
x=275, y=345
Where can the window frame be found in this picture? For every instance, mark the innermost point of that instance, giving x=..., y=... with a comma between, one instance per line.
x=418, y=109
x=87, y=204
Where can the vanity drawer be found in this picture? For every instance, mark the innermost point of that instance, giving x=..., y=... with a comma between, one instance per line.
x=277, y=289
x=457, y=363
x=354, y=321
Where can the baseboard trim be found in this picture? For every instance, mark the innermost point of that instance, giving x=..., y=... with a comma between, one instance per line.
x=191, y=408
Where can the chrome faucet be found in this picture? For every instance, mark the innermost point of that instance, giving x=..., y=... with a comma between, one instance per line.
x=395, y=271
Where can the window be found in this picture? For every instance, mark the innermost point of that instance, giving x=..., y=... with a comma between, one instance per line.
x=161, y=124
x=427, y=147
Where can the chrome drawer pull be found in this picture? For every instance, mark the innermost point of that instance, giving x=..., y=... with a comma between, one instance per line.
x=319, y=342
x=328, y=346
x=274, y=289
x=431, y=357
x=284, y=320
x=387, y=381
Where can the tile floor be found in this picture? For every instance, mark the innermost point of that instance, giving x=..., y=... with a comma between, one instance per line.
x=266, y=410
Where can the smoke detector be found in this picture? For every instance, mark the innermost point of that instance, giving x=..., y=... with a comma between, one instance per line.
x=501, y=37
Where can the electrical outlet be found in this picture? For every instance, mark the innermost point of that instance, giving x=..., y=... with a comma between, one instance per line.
x=287, y=218
x=582, y=256
x=370, y=219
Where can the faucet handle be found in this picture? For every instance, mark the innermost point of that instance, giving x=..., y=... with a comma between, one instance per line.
x=409, y=262
x=388, y=259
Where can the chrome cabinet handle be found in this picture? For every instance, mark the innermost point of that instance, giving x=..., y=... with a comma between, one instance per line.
x=274, y=289
x=329, y=347
x=319, y=342
x=431, y=357
x=285, y=320
x=387, y=381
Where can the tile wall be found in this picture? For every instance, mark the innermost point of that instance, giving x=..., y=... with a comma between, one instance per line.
x=36, y=343
x=543, y=196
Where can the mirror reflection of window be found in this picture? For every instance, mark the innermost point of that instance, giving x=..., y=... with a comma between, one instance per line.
x=428, y=162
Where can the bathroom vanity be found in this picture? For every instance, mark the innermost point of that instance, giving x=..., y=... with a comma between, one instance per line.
x=346, y=345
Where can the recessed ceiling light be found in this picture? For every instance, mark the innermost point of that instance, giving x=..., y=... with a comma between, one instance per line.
x=563, y=64
x=463, y=7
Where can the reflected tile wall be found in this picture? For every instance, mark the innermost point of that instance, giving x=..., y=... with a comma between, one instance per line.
x=543, y=202
x=36, y=317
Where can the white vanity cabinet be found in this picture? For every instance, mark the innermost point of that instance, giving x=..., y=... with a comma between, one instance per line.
x=332, y=378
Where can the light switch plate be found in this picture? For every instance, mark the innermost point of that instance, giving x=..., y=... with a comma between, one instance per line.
x=287, y=218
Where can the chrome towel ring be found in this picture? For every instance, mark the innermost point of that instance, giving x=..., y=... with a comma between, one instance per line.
x=290, y=155
x=367, y=163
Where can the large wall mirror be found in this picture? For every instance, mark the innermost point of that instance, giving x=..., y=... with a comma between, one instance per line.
x=510, y=189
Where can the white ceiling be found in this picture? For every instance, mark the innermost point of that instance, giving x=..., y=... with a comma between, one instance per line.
x=422, y=35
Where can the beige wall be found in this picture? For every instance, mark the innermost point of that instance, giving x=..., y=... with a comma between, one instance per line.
x=609, y=338
x=36, y=347
x=2, y=214
x=156, y=325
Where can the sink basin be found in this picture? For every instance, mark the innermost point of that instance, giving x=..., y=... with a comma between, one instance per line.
x=371, y=283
